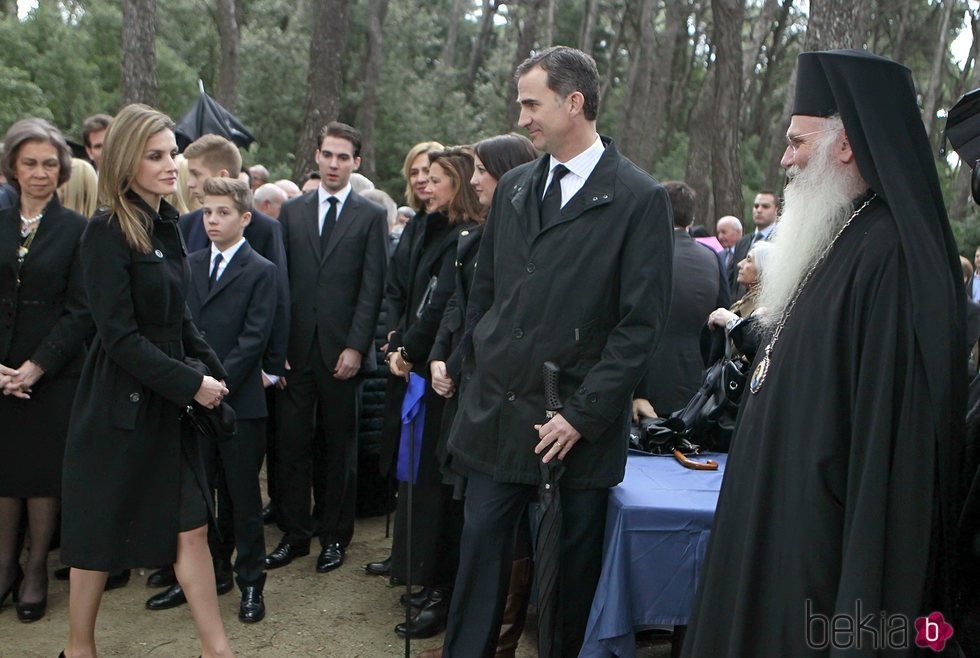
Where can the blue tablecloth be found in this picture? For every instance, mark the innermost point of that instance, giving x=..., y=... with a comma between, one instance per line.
x=657, y=532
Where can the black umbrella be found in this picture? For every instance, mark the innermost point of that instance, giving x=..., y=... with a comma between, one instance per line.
x=547, y=548
x=207, y=117
x=963, y=132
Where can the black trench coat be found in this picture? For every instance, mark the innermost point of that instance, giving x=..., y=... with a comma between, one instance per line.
x=591, y=293
x=121, y=483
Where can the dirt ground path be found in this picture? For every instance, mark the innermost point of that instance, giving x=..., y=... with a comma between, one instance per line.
x=342, y=614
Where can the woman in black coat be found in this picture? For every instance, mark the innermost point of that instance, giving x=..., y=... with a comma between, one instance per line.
x=432, y=254
x=43, y=325
x=128, y=456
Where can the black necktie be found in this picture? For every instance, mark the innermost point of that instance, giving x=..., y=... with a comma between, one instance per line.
x=551, y=203
x=328, y=223
x=214, y=272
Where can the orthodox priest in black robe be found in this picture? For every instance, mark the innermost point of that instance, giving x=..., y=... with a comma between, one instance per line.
x=834, y=525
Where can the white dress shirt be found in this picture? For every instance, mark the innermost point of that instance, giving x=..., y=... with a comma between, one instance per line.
x=341, y=197
x=579, y=169
x=226, y=257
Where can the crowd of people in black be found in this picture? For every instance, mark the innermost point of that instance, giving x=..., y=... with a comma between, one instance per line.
x=151, y=294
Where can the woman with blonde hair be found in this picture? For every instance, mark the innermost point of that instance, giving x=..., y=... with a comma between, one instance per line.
x=81, y=192
x=128, y=454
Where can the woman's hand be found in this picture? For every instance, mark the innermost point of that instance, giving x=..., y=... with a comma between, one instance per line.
x=720, y=317
x=19, y=385
x=211, y=393
x=399, y=367
x=442, y=383
x=7, y=375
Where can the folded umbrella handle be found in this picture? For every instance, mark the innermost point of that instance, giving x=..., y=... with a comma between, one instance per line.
x=709, y=465
x=552, y=400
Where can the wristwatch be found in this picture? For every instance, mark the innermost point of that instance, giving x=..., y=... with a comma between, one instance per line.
x=731, y=324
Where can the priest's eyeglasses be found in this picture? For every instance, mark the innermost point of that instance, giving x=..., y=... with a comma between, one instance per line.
x=796, y=141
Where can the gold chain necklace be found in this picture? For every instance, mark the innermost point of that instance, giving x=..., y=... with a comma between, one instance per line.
x=759, y=376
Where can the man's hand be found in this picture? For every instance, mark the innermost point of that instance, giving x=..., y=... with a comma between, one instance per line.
x=442, y=383
x=348, y=364
x=557, y=438
x=643, y=409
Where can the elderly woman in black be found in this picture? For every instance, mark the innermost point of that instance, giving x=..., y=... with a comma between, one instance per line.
x=127, y=455
x=43, y=325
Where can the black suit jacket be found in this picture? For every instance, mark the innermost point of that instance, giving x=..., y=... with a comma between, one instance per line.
x=336, y=295
x=264, y=234
x=236, y=319
x=674, y=374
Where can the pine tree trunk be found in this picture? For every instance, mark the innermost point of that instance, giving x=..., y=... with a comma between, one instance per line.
x=323, y=80
x=230, y=38
x=368, y=109
x=448, y=57
x=139, y=58
x=528, y=31
x=834, y=24
x=726, y=172
x=698, y=173
x=480, y=44
x=931, y=98
x=589, y=17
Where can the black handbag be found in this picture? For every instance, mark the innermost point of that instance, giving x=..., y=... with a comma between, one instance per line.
x=217, y=424
x=706, y=421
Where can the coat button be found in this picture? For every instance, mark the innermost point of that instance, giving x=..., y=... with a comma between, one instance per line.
x=511, y=396
x=464, y=232
x=518, y=333
x=158, y=253
x=134, y=397
x=593, y=398
x=530, y=268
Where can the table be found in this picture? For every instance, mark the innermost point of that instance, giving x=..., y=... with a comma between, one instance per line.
x=657, y=529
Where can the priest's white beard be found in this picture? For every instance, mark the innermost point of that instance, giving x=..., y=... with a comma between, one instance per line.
x=818, y=200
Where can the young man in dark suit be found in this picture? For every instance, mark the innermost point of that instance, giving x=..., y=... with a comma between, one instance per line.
x=232, y=300
x=336, y=250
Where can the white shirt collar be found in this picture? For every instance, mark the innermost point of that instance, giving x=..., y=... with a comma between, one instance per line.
x=583, y=163
x=342, y=195
x=228, y=253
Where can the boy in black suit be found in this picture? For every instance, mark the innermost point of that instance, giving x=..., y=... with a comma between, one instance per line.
x=233, y=299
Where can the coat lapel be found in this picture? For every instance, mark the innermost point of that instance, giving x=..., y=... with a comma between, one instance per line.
x=526, y=201
x=232, y=271
x=312, y=220
x=597, y=191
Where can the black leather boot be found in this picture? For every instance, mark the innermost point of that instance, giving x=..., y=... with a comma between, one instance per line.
x=431, y=619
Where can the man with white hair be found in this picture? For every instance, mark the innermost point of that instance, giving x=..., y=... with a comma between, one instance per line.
x=289, y=187
x=728, y=230
x=258, y=176
x=269, y=199
x=833, y=530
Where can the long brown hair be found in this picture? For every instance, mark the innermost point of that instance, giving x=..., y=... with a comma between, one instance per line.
x=457, y=162
x=123, y=149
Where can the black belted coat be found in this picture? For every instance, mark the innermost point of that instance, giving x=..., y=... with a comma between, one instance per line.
x=121, y=482
x=589, y=292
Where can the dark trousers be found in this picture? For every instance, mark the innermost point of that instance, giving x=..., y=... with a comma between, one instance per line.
x=271, y=446
x=232, y=469
x=491, y=513
x=307, y=390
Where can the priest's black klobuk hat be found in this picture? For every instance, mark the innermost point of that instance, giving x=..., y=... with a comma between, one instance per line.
x=963, y=128
x=876, y=100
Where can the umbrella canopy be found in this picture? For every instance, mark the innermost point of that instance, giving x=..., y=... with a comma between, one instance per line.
x=963, y=128
x=207, y=117
x=547, y=547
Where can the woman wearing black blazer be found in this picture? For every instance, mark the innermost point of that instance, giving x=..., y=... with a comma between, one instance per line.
x=432, y=253
x=43, y=325
x=127, y=455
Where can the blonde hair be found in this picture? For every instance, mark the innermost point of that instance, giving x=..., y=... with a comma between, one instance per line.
x=123, y=149
x=183, y=200
x=216, y=153
x=235, y=189
x=81, y=192
x=414, y=152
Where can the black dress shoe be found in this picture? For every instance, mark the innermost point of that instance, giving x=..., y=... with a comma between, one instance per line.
x=416, y=600
x=224, y=579
x=431, y=619
x=252, y=607
x=268, y=515
x=62, y=573
x=382, y=568
x=116, y=579
x=331, y=557
x=162, y=578
x=169, y=598
x=284, y=554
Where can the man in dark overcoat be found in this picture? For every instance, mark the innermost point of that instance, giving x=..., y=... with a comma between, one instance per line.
x=575, y=268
